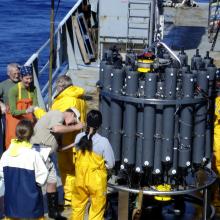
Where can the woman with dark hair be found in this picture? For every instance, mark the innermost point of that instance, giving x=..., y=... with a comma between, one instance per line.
x=94, y=155
x=23, y=172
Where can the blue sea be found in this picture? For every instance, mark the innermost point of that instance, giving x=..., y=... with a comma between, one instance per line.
x=24, y=27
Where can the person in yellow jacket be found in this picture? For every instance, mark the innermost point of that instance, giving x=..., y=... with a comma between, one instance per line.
x=216, y=149
x=94, y=155
x=216, y=152
x=67, y=96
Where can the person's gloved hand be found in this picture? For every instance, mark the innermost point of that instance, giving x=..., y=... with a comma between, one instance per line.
x=30, y=109
x=3, y=107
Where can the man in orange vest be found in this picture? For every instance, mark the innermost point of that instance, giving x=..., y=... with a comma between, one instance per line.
x=21, y=99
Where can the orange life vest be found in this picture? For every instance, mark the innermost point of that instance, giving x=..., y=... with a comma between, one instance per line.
x=12, y=121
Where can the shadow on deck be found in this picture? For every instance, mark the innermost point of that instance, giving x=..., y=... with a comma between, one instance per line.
x=188, y=37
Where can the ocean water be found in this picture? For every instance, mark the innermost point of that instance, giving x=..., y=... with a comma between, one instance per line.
x=24, y=27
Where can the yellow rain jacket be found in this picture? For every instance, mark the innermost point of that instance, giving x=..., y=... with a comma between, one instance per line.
x=16, y=145
x=216, y=161
x=69, y=97
x=90, y=183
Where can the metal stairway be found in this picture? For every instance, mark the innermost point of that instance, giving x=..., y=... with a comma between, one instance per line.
x=140, y=20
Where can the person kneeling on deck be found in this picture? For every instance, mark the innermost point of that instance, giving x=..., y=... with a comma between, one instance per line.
x=47, y=133
x=94, y=155
x=23, y=172
x=21, y=98
x=68, y=96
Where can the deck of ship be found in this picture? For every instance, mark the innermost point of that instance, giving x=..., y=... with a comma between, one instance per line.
x=188, y=28
x=184, y=27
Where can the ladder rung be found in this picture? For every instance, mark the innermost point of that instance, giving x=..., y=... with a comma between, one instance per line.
x=139, y=3
x=138, y=16
x=134, y=28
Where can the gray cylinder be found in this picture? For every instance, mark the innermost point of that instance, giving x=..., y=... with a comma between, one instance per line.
x=208, y=141
x=207, y=60
x=149, y=120
x=211, y=71
x=117, y=79
x=186, y=123
x=173, y=170
x=107, y=71
x=194, y=72
x=101, y=73
x=183, y=57
x=198, y=154
x=139, y=142
x=196, y=61
x=140, y=128
x=185, y=69
x=158, y=132
x=130, y=119
x=105, y=101
x=168, y=119
x=105, y=110
x=171, y=70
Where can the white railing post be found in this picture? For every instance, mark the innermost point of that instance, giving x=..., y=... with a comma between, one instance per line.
x=58, y=47
x=70, y=51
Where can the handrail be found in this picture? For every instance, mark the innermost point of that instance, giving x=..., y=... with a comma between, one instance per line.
x=69, y=14
x=31, y=59
x=43, y=46
x=43, y=55
x=60, y=25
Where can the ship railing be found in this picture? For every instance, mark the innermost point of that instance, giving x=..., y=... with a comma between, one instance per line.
x=67, y=55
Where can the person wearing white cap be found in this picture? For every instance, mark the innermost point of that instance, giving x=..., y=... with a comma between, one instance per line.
x=47, y=133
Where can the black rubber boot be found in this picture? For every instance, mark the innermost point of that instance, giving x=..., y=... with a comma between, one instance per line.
x=53, y=209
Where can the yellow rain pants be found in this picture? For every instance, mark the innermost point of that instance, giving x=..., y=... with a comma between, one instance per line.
x=66, y=163
x=69, y=97
x=216, y=149
x=90, y=185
